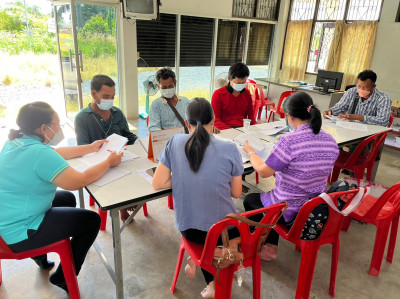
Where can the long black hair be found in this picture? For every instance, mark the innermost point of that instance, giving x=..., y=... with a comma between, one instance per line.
x=199, y=112
x=30, y=117
x=301, y=105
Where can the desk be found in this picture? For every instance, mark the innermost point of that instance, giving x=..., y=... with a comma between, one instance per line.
x=342, y=136
x=277, y=86
x=129, y=190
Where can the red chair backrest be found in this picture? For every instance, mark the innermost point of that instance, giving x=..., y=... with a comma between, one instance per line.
x=380, y=139
x=352, y=160
x=249, y=241
x=391, y=195
x=331, y=231
x=390, y=121
x=251, y=81
x=283, y=97
x=147, y=121
x=257, y=96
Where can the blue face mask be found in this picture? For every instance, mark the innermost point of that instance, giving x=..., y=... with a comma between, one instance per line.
x=291, y=128
x=105, y=104
x=238, y=87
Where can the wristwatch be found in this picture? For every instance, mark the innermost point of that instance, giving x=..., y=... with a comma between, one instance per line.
x=251, y=153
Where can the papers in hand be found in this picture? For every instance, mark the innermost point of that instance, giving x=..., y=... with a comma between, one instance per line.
x=262, y=150
x=115, y=144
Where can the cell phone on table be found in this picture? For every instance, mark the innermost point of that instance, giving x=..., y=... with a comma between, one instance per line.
x=151, y=171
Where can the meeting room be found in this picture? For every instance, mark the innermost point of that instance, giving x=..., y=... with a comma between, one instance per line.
x=199, y=149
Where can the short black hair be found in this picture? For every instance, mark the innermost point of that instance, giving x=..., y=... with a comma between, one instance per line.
x=165, y=73
x=238, y=70
x=99, y=80
x=367, y=74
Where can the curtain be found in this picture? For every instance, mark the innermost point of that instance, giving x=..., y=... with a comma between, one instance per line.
x=259, y=44
x=352, y=48
x=296, y=51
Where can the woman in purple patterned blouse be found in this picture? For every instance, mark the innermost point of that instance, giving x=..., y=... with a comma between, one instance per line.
x=301, y=161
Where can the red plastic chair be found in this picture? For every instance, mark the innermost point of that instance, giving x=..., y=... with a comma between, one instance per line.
x=391, y=119
x=357, y=163
x=382, y=212
x=279, y=110
x=258, y=99
x=62, y=248
x=309, y=248
x=203, y=255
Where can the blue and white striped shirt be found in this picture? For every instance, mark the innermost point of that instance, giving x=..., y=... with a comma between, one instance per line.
x=162, y=117
x=375, y=110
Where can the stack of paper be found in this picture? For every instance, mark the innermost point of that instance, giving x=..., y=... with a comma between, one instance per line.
x=351, y=125
x=263, y=150
x=115, y=144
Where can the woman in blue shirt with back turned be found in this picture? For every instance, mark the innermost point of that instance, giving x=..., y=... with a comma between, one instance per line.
x=32, y=213
x=206, y=173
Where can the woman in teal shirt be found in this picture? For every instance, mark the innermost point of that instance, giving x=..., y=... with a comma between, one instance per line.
x=32, y=213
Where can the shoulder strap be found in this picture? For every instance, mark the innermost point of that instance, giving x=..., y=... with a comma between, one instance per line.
x=351, y=207
x=178, y=116
x=355, y=103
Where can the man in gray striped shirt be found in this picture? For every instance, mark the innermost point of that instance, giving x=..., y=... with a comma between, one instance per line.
x=364, y=102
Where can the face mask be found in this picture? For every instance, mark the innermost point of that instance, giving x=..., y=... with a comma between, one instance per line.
x=57, y=138
x=291, y=128
x=105, y=104
x=363, y=93
x=238, y=87
x=168, y=93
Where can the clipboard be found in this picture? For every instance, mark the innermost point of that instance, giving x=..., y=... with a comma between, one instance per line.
x=158, y=140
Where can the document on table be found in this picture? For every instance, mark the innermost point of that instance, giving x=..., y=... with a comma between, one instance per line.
x=144, y=141
x=268, y=126
x=273, y=131
x=332, y=118
x=111, y=175
x=115, y=144
x=351, y=125
x=245, y=156
x=262, y=149
x=147, y=177
x=128, y=156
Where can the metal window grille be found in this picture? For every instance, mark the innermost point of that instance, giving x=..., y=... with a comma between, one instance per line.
x=244, y=8
x=302, y=10
x=331, y=9
x=366, y=10
x=320, y=46
x=267, y=9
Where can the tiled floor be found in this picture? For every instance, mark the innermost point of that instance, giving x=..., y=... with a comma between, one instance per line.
x=150, y=247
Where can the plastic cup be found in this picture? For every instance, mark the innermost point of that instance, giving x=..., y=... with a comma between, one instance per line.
x=246, y=124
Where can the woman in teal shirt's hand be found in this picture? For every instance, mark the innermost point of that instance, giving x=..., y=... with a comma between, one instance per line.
x=32, y=213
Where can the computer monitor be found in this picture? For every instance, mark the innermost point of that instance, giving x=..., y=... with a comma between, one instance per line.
x=329, y=80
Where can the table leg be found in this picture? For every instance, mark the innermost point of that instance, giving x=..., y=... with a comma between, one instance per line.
x=116, y=232
x=81, y=199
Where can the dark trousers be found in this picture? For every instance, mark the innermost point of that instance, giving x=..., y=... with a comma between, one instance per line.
x=63, y=221
x=199, y=237
x=253, y=201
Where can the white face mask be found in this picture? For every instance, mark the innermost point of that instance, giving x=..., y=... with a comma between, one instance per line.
x=168, y=93
x=238, y=87
x=105, y=104
x=57, y=138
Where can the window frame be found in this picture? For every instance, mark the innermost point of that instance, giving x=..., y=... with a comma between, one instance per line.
x=315, y=20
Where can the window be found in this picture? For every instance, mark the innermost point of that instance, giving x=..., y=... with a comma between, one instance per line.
x=195, y=56
x=259, y=49
x=324, y=13
x=156, y=47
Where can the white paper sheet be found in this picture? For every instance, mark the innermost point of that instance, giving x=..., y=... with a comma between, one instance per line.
x=255, y=142
x=115, y=144
x=111, y=175
x=351, y=125
x=144, y=141
x=332, y=118
x=128, y=156
x=273, y=131
x=143, y=173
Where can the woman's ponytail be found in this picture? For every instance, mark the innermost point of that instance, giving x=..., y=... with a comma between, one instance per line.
x=301, y=105
x=316, y=119
x=199, y=113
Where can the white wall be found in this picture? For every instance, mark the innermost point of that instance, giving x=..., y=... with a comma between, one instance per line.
x=386, y=58
x=203, y=8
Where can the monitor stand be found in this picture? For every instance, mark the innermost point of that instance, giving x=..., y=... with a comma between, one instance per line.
x=325, y=88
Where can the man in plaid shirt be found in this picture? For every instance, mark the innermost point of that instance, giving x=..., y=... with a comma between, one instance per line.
x=364, y=102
